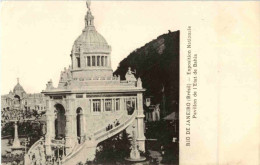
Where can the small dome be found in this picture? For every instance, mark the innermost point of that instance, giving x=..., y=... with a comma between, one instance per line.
x=18, y=88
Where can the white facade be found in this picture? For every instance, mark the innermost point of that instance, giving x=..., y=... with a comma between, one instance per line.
x=87, y=99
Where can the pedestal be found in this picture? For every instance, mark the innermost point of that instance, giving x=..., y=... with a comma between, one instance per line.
x=16, y=143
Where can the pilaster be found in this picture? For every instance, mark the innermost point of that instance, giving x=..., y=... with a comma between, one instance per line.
x=50, y=124
x=82, y=125
x=71, y=139
x=140, y=122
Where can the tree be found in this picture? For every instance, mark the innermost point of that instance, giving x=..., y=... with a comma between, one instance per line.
x=113, y=149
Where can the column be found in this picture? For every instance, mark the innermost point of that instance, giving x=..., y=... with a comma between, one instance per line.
x=95, y=60
x=74, y=64
x=82, y=126
x=102, y=105
x=121, y=104
x=109, y=61
x=99, y=60
x=140, y=122
x=90, y=60
x=50, y=125
x=113, y=105
x=91, y=105
x=87, y=116
x=124, y=105
x=135, y=100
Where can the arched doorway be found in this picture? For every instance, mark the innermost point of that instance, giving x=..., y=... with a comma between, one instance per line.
x=79, y=124
x=17, y=99
x=60, y=122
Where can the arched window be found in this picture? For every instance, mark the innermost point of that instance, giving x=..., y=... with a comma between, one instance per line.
x=60, y=122
x=79, y=124
x=78, y=62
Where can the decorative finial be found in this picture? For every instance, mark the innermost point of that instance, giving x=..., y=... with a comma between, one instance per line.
x=88, y=2
x=18, y=80
x=89, y=19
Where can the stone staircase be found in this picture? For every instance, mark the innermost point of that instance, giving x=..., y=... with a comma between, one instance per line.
x=86, y=151
x=35, y=154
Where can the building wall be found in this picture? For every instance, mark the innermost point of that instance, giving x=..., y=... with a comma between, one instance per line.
x=28, y=102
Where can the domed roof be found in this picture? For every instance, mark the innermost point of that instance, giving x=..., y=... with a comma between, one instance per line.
x=90, y=36
x=18, y=88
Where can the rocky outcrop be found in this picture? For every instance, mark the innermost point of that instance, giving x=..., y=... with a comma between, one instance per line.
x=157, y=64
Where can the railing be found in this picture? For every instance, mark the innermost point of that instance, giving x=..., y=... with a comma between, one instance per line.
x=112, y=132
x=104, y=129
x=75, y=150
x=101, y=135
x=58, y=142
x=34, y=146
x=31, y=152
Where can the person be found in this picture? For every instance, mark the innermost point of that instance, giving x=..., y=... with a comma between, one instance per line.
x=117, y=122
x=162, y=150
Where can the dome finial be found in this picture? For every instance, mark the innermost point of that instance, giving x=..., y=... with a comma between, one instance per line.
x=89, y=19
x=17, y=80
x=88, y=2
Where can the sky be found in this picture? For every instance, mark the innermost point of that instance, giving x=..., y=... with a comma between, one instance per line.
x=37, y=36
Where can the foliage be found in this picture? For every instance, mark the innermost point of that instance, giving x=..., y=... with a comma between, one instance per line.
x=8, y=129
x=160, y=130
x=113, y=149
x=31, y=130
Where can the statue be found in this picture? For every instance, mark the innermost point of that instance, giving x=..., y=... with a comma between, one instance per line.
x=130, y=75
x=49, y=85
x=139, y=82
x=88, y=3
x=135, y=153
x=130, y=72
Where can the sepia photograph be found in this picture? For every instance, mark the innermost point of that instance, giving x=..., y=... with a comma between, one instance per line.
x=67, y=98
x=101, y=82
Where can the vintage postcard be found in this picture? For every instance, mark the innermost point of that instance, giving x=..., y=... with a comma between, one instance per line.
x=130, y=82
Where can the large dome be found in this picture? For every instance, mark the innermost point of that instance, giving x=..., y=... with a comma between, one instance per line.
x=90, y=40
x=91, y=37
x=90, y=54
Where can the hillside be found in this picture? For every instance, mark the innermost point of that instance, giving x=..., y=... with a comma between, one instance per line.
x=157, y=63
